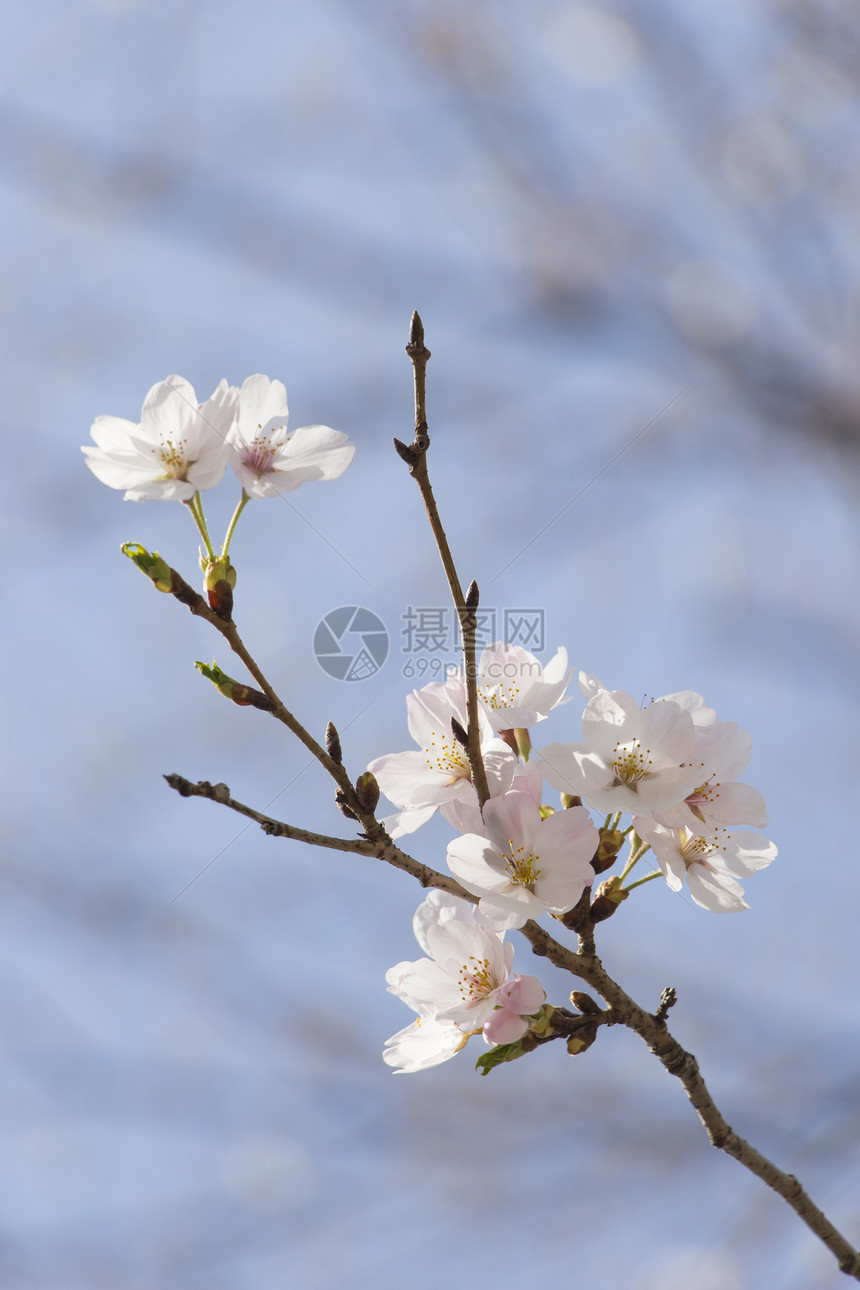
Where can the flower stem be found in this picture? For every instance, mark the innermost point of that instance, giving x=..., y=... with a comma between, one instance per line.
x=195, y=506
x=637, y=851
x=656, y=873
x=228, y=537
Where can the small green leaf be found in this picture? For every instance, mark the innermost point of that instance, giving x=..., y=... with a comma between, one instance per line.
x=495, y=1057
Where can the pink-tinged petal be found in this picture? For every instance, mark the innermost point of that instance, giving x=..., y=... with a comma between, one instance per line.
x=528, y=779
x=559, y=892
x=470, y=861
x=504, y=1027
x=512, y=817
x=568, y=837
x=734, y=804
x=522, y=994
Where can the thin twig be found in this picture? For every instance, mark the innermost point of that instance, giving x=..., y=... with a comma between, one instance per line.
x=415, y=455
x=227, y=628
x=379, y=844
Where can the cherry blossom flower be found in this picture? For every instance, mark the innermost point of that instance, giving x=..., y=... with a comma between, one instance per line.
x=464, y=813
x=631, y=759
x=423, y=1044
x=465, y=980
x=721, y=751
x=267, y=459
x=177, y=449
x=420, y=782
x=515, y=689
x=712, y=863
x=525, y=865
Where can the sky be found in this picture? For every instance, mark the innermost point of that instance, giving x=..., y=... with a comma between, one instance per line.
x=631, y=235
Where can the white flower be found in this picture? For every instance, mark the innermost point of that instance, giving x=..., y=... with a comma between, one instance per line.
x=425, y=1043
x=268, y=460
x=419, y=782
x=631, y=758
x=516, y=691
x=711, y=863
x=177, y=449
x=525, y=865
x=722, y=752
x=467, y=977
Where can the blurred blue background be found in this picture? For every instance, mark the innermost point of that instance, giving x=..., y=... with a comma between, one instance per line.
x=609, y=215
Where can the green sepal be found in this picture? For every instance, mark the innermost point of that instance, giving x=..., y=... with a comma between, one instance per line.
x=222, y=682
x=501, y=1053
x=151, y=563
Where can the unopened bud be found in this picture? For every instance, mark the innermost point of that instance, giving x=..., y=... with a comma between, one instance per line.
x=472, y=596
x=459, y=733
x=609, y=896
x=367, y=791
x=570, y=799
x=243, y=695
x=585, y=1003
x=156, y=569
x=219, y=579
x=583, y=1039
x=332, y=744
x=611, y=842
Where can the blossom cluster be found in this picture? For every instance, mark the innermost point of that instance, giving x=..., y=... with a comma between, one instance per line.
x=669, y=764
x=180, y=447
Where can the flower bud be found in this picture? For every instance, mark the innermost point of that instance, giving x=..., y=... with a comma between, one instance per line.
x=156, y=569
x=583, y=1039
x=243, y=695
x=611, y=842
x=609, y=896
x=585, y=1003
x=367, y=791
x=570, y=799
x=332, y=744
x=219, y=579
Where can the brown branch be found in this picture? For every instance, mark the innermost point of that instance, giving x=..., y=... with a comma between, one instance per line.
x=378, y=844
x=187, y=596
x=415, y=455
x=652, y=1028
